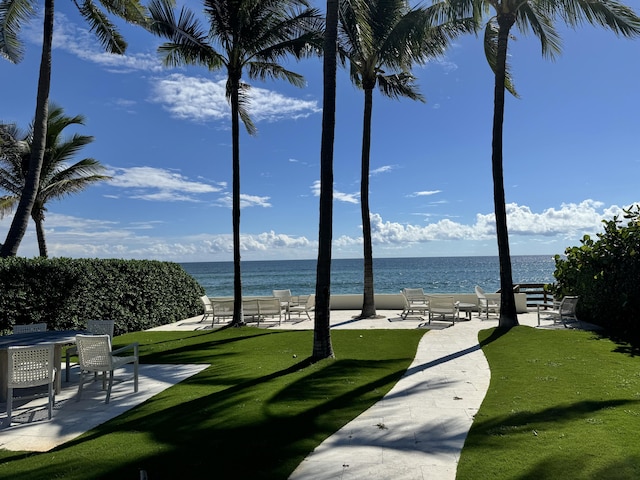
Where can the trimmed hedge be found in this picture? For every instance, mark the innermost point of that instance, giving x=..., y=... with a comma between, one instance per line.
x=65, y=293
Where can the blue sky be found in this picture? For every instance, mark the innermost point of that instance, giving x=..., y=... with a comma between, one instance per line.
x=570, y=152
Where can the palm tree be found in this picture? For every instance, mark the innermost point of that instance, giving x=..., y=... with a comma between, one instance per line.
x=58, y=178
x=383, y=39
x=244, y=36
x=13, y=13
x=322, y=347
x=539, y=16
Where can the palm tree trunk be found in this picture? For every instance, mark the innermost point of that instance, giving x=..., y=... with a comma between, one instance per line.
x=38, y=219
x=368, y=300
x=322, y=347
x=32, y=181
x=508, y=316
x=238, y=317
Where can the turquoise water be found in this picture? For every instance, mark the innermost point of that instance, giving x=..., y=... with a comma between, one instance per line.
x=433, y=274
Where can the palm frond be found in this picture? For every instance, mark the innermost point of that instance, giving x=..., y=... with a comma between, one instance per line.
x=104, y=30
x=268, y=70
x=619, y=18
x=188, y=40
x=7, y=204
x=131, y=11
x=491, y=53
x=13, y=14
x=539, y=20
x=399, y=85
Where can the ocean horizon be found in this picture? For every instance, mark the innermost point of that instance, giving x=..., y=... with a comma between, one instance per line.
x=433, y=274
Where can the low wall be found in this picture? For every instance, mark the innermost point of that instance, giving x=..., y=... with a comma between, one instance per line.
x=395, y=301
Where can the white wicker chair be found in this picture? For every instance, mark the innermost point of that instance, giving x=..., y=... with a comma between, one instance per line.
x=95, y=356
x=30, y=367
x=94, y=327
x=415, y=301
x=30, y=328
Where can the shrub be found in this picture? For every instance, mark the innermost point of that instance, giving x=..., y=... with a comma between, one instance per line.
x=605, y=273
x=65, y=293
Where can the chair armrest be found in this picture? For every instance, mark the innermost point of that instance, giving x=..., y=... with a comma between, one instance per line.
x=132, y=346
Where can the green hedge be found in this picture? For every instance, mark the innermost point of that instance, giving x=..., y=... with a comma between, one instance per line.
x=65, y=293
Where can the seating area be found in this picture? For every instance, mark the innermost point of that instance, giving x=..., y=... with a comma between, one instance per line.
x=563, y=311
x=258, y=309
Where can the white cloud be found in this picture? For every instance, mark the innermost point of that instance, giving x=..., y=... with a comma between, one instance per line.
x=337, y=195
x=383, y=169
x=157, y=184
x=245, y=201
x=82, y=43
x=70, y=236
x=424, y=193
x=200, y=99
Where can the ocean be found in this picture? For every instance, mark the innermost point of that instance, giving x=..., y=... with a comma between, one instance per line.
x=433, y=274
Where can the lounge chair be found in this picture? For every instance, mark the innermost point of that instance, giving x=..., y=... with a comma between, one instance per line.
x=222, y=310
x=415, y=301
x=443, y=306
x=565, y=312
x=269, y=307
x=486, y=305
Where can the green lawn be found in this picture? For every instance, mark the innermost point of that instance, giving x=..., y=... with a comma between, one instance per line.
x=562, y=404
x=254, y=414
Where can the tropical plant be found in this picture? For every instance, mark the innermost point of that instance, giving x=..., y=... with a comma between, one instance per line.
x=58, y=178
x=244, y=36
x=538, y=16
x=382, y=40
x=322, y=347
x=13, y=13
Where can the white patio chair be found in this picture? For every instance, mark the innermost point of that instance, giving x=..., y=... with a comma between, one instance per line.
x=565, y=312
x=486, y=305
x=222, y=310
x=415, y=301
x=285, y=299
x=94, y=327
x=30, y=367
x=269, y=307
x=443, y=306
x=95, y=356
x=208, y=307
x=30, y=328
x=309, y=306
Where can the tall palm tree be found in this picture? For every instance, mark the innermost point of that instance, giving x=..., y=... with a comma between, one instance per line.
x=539, y=16
x=244, y=36
x=13, y=13
x=322, y=346
x=382, y=40
x=58, y=177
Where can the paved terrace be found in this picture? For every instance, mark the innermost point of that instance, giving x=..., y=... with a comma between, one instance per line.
x=415, y=432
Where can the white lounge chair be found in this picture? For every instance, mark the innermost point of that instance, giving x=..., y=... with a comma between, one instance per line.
x=443, y=306
x=486, y=305
x=95, y=356
x=415, y=301
x=269, y=307
x=222, y=310
x=30, y=367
